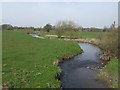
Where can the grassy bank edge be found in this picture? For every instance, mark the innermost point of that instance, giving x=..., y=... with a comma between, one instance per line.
x=109, y=73
x=61, y=61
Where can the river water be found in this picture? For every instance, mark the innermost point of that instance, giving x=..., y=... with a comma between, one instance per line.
x=78, y=73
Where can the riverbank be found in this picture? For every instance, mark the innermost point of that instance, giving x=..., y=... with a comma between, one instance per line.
x=28, y=62
x=105, y=55
x=110, y=63
x=109, y=74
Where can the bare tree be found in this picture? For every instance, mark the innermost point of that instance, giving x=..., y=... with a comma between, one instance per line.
x=63, y=26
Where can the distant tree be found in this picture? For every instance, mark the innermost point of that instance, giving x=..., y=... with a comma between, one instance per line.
x=80, y=28
x=105, y=29
x=47, y=27
x=63, y=26
x=15, y=27
x=0, y=27
x=59, y=28
x=7, y=27
x=113, y=25
x=40, y=28
x=31, y=28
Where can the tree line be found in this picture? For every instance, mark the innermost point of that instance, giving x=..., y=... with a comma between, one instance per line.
x=60, y=27
x=64, y=25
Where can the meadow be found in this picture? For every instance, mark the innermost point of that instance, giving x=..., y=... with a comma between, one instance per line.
x=28, y=62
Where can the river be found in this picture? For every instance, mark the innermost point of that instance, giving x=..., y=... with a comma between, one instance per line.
x=78, y=73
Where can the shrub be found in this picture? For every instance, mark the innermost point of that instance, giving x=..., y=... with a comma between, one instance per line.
x=63, y=26
x=109, y=41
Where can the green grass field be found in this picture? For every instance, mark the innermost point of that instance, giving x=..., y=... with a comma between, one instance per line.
x=75, y=34
x=27, y=62
x=110, y=74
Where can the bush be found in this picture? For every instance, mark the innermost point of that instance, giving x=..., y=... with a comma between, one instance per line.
x=109, y=41
x=63, y=26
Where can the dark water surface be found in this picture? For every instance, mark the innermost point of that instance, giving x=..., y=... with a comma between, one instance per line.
x=76, y=72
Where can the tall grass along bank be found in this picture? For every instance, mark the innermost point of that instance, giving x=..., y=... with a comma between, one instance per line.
x=110, y=74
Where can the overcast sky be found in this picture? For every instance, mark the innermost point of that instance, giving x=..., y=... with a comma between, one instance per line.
x=86, y=14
